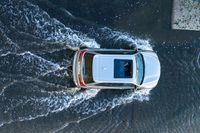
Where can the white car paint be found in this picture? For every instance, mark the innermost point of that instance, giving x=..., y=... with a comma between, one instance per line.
x=103, y=69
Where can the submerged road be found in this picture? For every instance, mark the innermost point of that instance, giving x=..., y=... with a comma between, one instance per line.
x=35, y=67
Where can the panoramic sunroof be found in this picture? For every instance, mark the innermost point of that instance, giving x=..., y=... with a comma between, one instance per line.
x=123, y=68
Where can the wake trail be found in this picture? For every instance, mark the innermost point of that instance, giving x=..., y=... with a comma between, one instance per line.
x=36, y=62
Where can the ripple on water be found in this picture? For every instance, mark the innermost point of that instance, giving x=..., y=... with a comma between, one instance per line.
x=31, y=101
x=198, y=60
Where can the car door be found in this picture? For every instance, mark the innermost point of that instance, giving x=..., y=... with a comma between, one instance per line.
x=112, y=86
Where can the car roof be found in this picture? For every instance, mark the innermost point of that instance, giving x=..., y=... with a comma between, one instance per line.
x=103, y=68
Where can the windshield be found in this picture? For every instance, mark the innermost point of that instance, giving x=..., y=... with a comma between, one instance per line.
x=139, y=69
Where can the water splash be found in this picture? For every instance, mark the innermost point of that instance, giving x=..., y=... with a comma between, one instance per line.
x=111, y=102
x=31, y=24
x=48, y=102
x=123, y=39
x=27, y=18
x=91, y=107
x=26, y=63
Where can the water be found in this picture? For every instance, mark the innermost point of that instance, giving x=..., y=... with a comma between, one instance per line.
x=37, y=93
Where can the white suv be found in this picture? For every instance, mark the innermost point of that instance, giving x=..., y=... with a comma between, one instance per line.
x=116, y=69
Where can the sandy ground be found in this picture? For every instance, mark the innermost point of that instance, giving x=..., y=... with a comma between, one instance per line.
x=186, y=15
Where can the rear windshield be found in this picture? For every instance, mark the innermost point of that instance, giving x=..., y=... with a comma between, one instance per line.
x=123, y=68
x=87, y=68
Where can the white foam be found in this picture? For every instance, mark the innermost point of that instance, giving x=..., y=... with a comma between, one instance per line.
x=93, y=108
x=30, y=19
x=42, y=106
x=5, y=54
x=103, y=104
x=116, y=36
x=28, y=55
x=4, y=87
x=53, y=102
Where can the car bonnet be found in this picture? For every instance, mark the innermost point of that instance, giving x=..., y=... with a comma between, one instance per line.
x=152, y=69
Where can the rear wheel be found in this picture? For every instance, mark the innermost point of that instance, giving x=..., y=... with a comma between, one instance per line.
x=83, y=47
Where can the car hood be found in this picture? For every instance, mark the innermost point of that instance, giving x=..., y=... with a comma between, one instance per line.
x=152, y=69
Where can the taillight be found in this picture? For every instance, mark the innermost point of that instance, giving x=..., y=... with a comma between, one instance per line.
x=81, y=54
x=80, y=58
x=81, y=82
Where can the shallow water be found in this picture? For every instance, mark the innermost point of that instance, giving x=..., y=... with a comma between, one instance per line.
x=36, y=88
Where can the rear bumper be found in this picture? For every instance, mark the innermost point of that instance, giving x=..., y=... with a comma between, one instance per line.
x=75, y=69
